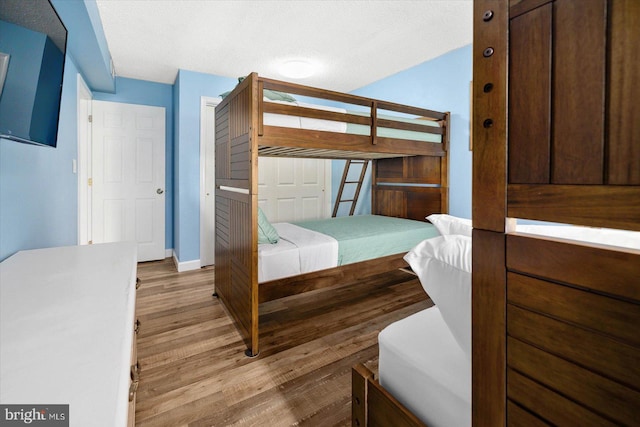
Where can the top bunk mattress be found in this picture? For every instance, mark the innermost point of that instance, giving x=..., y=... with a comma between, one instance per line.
x=365, y=237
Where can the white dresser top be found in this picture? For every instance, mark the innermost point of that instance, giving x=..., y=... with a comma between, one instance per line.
x=66, y=322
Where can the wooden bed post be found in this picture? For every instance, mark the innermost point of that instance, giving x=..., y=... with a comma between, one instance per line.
x=490, y=70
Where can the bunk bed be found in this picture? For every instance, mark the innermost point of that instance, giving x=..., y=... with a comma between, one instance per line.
x=408, y=147
x=555, y=127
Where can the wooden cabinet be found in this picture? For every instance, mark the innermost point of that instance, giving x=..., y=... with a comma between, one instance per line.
x=66, y=331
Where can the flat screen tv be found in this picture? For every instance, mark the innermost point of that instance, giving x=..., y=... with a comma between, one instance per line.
x=33, y=43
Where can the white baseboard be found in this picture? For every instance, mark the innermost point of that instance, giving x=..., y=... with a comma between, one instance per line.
x=187, y=265
x=168, y=253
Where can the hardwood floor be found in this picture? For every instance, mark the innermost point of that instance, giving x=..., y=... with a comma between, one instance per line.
x=194, y=371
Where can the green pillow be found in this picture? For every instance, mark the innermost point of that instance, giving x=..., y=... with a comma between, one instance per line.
x=266, y=232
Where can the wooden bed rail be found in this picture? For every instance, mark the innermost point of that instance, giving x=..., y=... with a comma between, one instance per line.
x=372, y=405
x=348, y=99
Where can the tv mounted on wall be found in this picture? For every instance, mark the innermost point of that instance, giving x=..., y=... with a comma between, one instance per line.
x=33, y=43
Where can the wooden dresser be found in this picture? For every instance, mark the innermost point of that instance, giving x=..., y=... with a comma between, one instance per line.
x=67, y=331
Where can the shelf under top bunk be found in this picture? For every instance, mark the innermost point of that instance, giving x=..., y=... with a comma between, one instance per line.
x=319, y=123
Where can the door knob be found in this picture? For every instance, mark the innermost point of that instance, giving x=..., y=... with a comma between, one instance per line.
x=159, y=191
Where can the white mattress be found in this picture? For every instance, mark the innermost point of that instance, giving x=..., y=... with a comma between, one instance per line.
x=422, y=366
x=298, y=251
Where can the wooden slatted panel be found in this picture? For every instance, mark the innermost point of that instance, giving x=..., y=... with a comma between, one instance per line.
x=555, y=408
x=410, y=170
x=516, y=416
x=610, y=271
x=222, y=149
x=222, y=245
x=578, y=91
x=238, y=299
x=389, y=202
x=606, y=315
x=240, y=160
x=594, y=392
x=240, y=115
x=530, y=97
x=601, y=354
x=623, y=114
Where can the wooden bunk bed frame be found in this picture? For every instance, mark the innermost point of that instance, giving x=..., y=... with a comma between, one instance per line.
x=554, y=322
x=409, y=180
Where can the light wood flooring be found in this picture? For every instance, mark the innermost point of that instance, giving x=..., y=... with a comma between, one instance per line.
x=194, y=371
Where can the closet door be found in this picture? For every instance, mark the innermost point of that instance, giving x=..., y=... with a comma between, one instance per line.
x=294, y=189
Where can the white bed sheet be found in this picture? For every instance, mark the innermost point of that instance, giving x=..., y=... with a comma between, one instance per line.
x=422, y=365
x=298, y=251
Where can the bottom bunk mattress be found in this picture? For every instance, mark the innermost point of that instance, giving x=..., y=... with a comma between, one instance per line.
x=314, y=245
x=422, y=365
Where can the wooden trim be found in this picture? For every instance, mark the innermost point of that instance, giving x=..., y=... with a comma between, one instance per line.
x=519, y=7
x=592, y=205
x=372, y=405
x=255, y=107
x=488, y=379
x=623, y=115
x=444, y=165
x=610, y=270
x=276, y=136
x=294, y=285
x=360, y=376
x=490, y=94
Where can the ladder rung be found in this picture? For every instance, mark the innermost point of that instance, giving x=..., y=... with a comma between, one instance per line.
x=352, y=182
x=345, y=200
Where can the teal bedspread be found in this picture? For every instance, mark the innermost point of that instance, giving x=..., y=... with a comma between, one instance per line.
x=366, y=237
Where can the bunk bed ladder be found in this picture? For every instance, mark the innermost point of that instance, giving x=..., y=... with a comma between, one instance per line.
x=343, y=182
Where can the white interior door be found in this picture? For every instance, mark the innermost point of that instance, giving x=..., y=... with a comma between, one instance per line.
x=207, y=180
x=294, y=189
x=83, y=163
x=128, y=176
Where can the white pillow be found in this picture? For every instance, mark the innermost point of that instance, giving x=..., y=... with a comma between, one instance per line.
x=443, y=265
x=448, y=224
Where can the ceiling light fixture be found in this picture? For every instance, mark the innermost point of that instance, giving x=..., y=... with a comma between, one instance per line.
x=297, y=69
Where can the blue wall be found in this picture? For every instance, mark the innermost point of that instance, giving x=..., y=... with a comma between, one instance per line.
x=132, y=91
x=440, y=84
x=190, y=86
x=38, y=189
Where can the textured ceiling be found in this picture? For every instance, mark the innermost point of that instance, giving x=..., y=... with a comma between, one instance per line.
x=354, y=43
